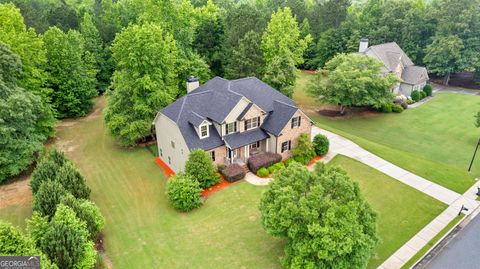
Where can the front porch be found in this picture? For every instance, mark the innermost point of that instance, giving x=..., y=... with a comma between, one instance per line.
x=241, y=154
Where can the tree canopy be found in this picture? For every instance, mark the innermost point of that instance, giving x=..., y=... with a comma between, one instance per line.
x=323, y=216
x=353, y=80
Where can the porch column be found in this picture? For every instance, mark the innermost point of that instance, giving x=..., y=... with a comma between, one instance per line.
x=247, y=152
x=266, y=145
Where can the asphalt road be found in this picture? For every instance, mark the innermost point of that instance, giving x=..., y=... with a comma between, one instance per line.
x=462, y=251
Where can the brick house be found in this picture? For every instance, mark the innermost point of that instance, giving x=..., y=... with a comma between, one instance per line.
x=231, y=120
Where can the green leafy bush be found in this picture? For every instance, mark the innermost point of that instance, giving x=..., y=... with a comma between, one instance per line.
x=416, y=96
x=386, y=108
x=233, y=172
x=263, y=172
x=184, y=192
x=321, y=144
x=88, y=212
x=422, y=95
x=275, y=167
x=263, y=160
x=428, y=89
x=304, y=151
x=200, y=168
x=289, y=161
x=397, y=108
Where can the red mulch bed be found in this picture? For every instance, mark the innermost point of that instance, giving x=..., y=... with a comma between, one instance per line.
x=169, y=172
x=166, y=169
x=314, y=161
x=223, y=183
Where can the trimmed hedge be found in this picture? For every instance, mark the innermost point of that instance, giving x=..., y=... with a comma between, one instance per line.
x=321, y=144
x=183, y=192
x=233, y=172
x=263, y=172
x=397, y=108
x=416, y=96
x=275, y=167
x=288, y=162
x=428, y=90
x=261, y=160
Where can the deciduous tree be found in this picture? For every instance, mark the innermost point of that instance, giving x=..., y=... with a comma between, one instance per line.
x=145, y=80
x=246, y=59
x=323, y=217
x=444, y=56
x=353, y=80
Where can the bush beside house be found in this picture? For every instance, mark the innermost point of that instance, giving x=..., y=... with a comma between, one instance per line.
x=200, y=168
x=262, y=160
x=304, y=151
x=263, y=172
x=428, y=90
x=184, y=192
x=233, y=172
x=321, y=144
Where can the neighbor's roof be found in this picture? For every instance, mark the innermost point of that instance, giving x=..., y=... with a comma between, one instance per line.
x=414, y=75
x=215, y=99
x=391, y=55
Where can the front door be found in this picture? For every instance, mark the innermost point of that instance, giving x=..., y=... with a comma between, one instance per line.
x=232, y=154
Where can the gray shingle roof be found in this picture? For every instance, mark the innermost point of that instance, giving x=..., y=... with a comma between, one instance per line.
x=391, y=55
x=281, y=115
x=215, y=99
x=414, y=75
x=237, y=140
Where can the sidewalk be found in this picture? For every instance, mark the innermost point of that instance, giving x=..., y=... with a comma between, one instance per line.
x=340, y=145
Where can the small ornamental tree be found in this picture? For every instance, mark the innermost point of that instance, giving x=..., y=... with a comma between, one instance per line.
x=73, y=181
x=47, y=198
x=200, y=168
x=14, y=243
x=304, y=151
x=321, y=144
x=47, y=168
x=88, y=212
x=323, y=216
x=64, y=239
x=184, y=193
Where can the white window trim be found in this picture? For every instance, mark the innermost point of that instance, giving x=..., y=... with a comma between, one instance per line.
x=297, y=122
x=252, y=126
x=234, y=127
x=200, y=131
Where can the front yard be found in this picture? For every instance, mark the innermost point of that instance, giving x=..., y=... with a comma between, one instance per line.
x=435, y=141
x=143, y=231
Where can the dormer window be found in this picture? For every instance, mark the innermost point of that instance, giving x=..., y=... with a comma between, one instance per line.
x=231, y=128
x=252, y=123
x=203, y=131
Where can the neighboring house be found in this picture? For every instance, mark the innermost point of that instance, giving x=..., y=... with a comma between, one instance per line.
x=231, y=120
x=397, y=62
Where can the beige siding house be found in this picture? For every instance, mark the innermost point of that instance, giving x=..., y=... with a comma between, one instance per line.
x=397, y=62
x=231, y=120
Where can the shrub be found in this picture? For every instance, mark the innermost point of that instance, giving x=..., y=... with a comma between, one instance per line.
x=288, y=162
x=404, y=105
x=263, y=160
x=397, y=108
x=304, y=151
x=200, y=167
x=428, y=89
x=73, y=181
x=321, y=144
x=386, y=108
x=416, y=96
x=263, y=172
x=47, y=198
x=184, y=192
x=88, y=212
x=275, y=167
x=220, y=167
x=422, y=95
x=233, y=172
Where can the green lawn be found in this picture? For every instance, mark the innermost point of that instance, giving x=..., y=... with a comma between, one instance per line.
x=300, y=94
x=435, y=140
x=143, y=231
x=402, y=210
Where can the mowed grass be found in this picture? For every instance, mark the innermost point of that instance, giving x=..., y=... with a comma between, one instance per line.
x=402, y=210
x=300, y=94
x=143, y=231
x=435, y=141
